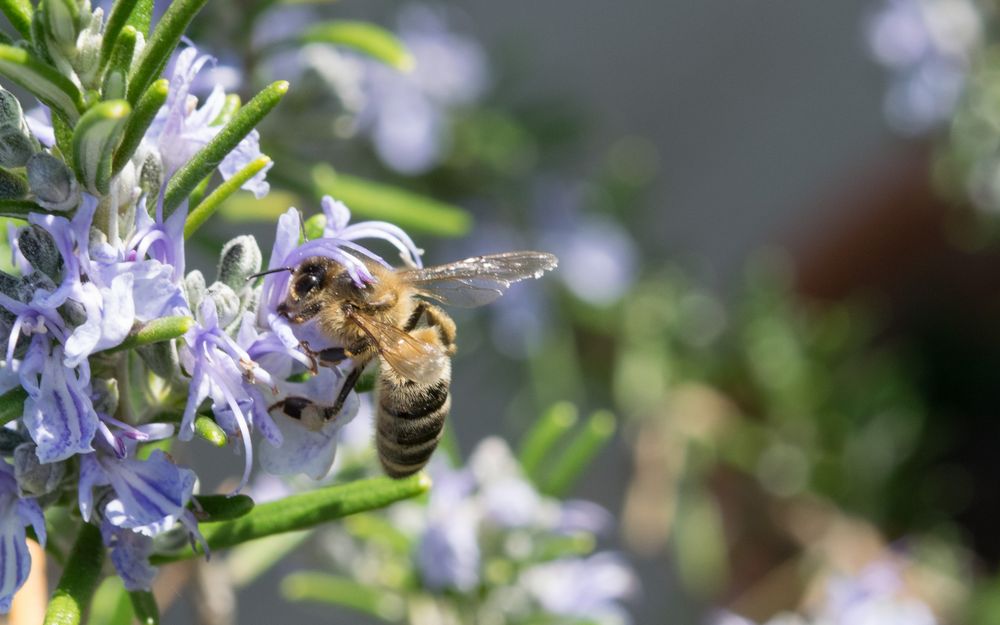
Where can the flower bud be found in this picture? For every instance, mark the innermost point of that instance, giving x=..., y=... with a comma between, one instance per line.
x=33, y=282
x=195, y=289
x=12, y=186
x=239, y=259
x=227, y=303
x=151, y=176
x=16, y=147
x=52, y=182
x=10, y=110
x=35, y=479
x=40, y=249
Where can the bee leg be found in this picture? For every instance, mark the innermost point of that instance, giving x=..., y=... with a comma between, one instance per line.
x=435, y=318
x=331, y=356
x=345, y=390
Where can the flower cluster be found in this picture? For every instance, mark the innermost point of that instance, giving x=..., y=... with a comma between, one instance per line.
x=488, y=541
x=111, y=344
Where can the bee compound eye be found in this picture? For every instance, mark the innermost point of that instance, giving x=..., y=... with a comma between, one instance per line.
x=306, y=283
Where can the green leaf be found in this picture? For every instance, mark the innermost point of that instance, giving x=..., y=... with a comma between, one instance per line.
x=162, y=41
x=363, y=37
x=145, y=608
x=343, y=591
x=305, y=510
x=135, y=13
x=12, y=404
x=94, y=141
x=61, y=22
x=209, y=205
x=149, y=104
x=580, y=451
x=403, y=208
x=116, y=77
x=154, y=331
x=19, y=209
x=43, y=81
x=208, y=429
x=543, y=435
x=216, y=508
x=208, y=158
x=79, y=579
x=19, y=13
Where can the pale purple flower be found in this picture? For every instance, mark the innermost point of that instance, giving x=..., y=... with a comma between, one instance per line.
x=15, y=514
x=448, y=554
x=130, y=553
x=588, y=588
x=309, y=442
x=181, y=127
x=875, y=596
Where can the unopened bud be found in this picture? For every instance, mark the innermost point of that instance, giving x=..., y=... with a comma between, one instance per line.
x=35, y=479
x=195, y=289
x=40, y=249
x=52, y=182
x=16, y=147
x=161, y=358
x=151, y=176
x=10, y=110
x=12, y=186
x=227, y=303
x=239, y=259
x=105, y=395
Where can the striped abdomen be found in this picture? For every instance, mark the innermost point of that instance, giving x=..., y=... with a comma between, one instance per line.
x=410, y=423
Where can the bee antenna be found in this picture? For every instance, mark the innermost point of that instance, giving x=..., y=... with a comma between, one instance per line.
x=264, y=273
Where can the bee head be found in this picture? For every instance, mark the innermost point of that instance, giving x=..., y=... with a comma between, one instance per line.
x=316, y=283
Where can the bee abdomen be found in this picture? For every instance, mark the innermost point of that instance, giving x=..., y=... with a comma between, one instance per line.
x=410, y=424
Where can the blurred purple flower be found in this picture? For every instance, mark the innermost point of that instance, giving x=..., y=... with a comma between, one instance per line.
x=927, y=45
x=587, y=588
x=407, y=113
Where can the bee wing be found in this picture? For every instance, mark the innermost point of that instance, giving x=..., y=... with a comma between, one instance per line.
x=410, y=357
x=479, y=280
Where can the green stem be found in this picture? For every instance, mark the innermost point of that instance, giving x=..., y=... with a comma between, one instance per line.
x=12, y=404
x=161, y=43
x=19, y=13
x=79, y=580
x=305, y=510
x=144, y=606
x=591, y=438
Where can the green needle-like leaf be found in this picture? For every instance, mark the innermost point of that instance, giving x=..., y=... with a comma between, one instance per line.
x=94, y=142
x=209, y=205
x=377, y=201
x=363, y=37
x=43, y=81
x=12, y=404
x=544, y=434
x=79, y=580
x=596, y=432
x=305, y=510
x=116, y=77
x=135, y=13
x=110, y=605
x=343, y=591
x=208, y=429
x=216, y=508
x=19, y=13
x=149, y=104
x=163, y=329
x=19, y=209
x=161, y=43
x=145, y=608
x=208, y=158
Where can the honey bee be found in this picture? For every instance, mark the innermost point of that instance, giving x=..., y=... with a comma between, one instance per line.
x=396, y=320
